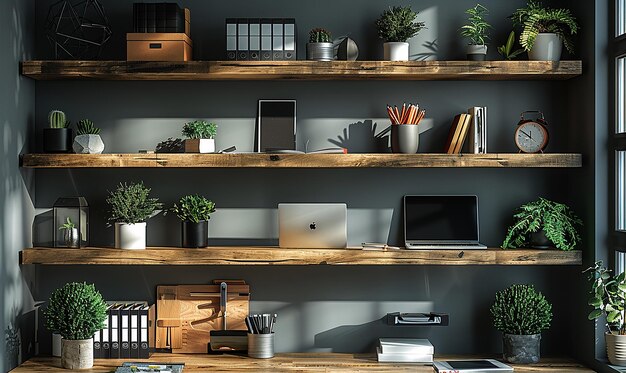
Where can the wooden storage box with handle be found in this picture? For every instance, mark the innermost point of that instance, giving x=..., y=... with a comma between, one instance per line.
x=166, y=46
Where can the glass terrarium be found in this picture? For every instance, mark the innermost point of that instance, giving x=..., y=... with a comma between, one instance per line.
x=71, y=222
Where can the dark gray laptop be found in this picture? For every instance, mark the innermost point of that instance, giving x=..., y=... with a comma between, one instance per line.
x=441, y=222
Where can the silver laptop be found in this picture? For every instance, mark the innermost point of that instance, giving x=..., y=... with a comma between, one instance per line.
x=313, y=225
x=441, y=222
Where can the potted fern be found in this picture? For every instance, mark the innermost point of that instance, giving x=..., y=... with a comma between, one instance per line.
x=131, y=206
x=320, y=45
x=545, y=30
x=57, y=138
x=76, y=311
x=194, y=212
x=543, y=224
x=200, y=136
x=88, y=140
x=521, y=313
x=608, y=298
x=395, y=26
x=476, y=31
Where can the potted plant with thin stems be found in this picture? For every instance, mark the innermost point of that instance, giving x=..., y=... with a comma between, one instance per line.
x=395, y=26
x=320, y=45
x=476, y=31
x=194, y=212
x=200, y=136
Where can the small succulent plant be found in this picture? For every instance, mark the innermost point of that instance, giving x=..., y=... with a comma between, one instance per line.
x=87, y=127
x=57, y=119
x=320, y=35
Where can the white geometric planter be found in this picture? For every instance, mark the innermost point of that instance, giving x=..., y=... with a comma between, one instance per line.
x=77, y=354
x=396, y=51
x=547, y=47
x=616, y=348
x=88, y=144
x=130, y=236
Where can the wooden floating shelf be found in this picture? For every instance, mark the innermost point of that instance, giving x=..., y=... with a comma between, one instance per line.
x=300, y=160
x=293, y=362
x=302, y=70
x=284, y=256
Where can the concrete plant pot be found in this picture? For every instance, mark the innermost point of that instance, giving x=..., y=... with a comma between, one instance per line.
x=130, y=236
x=477, y=52
x=77, y=354
x=396, y=51
x=88, y=144
x=521, y=349
x=405, y=138
x=320, y=51
x=200, y=146
x=547, y=47
x=616, y=348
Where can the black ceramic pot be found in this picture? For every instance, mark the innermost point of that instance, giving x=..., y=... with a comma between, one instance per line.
x=57, y=140
x=195, y=234
x=539, y=240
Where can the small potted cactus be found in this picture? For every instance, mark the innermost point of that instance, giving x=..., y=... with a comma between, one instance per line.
x=57, y=138
x=88, y=140
x=194, y=212
x=200, y=136
x=320, y=45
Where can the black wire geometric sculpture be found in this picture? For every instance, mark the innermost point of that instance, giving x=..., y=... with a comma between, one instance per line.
x=78, y=30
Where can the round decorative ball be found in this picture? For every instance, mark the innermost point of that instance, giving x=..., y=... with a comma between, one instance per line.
x=348, y=50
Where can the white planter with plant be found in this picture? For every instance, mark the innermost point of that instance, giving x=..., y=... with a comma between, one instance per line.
x=521, y=314
x=194, y=212
x=320, y=45
x=200, y=136
x=476, y=31
x=131, y=206
x=608, y=297
x=88, y=140
x=545, y=30
x=396, y=26
x=76, y=311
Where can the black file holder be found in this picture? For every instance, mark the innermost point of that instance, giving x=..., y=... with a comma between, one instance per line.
x=417, y=319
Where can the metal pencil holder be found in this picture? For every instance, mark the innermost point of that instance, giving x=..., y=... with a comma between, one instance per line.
x=261, y=346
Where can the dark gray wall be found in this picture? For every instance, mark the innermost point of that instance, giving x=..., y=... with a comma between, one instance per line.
x=339, y=309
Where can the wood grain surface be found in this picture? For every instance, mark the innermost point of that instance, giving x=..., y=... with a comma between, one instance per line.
x=284, y=256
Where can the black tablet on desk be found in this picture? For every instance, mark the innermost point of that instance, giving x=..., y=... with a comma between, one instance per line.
x=276, y=126
x=471, y=366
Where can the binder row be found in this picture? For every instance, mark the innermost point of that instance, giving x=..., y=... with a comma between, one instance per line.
x=158, y=17
x=125, y=333
x=265, y=39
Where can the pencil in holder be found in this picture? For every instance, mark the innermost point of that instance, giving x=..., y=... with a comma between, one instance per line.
x=261, y=346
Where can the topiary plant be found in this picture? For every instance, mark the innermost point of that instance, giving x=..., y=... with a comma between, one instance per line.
x=556, y=219
x=86, y=127
x=535, y=19
x=476, y=28
x=320, y=35
x=521, y=310
x=200, y=129
x=131, y=204
x=194, y=208
x=57, y=119
x=76, y=311
x=397, y=24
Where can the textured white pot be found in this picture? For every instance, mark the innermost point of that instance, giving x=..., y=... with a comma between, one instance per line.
x=396, y=51
x=88, y=144
x=130, y=236
x=547, y=47
x=200, y=146
x=77, y=354
x=616, y=348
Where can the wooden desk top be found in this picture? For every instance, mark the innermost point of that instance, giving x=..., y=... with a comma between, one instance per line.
x=293, y=362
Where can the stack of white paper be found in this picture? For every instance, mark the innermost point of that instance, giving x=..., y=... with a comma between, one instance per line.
x=405, y=350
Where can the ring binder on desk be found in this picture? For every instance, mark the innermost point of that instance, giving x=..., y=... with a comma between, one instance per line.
x=417, y=319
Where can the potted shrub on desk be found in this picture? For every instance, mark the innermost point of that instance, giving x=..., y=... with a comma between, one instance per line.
x=521, y=314
x=200, y=136
x=131, y=206
x=194, y=212
x=396, y=26
x=320, y=45
x=476, y=31
x=57, y=138
x=76, y=311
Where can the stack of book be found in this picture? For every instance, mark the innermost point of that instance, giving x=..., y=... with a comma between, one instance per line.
x=458, y=133
x=405, y=350
x=126, y=332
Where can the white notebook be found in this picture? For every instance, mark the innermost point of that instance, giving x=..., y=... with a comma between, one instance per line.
x=406, y=346
x=404, y=357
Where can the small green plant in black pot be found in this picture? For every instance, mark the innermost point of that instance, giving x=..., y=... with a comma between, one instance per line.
x=542, y=224
x=76, y=311
x=200, y=136
x=58, y=137
x=521, y=313
x=194, y=212
x=395, y=26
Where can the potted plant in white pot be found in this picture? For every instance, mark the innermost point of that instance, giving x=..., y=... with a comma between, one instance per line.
x=76, y=311
x=57, y=138
x=194, y=212
x=200, y=136
x=87, y=140
x=131, y=206
x=521, y=314
x=608, y=297
x=395, y=26
x=476, y=30
x=545, y=30
x=320, y=45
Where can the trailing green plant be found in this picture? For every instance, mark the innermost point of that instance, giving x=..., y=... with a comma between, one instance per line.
x=507, y=51
x=76, y=311
x=68, y=225
x=521, y=310
x=320, y=35
x=608, y=297
x=86, y=127
x=194, y=208
x=476, y=30
x=200, y=129
x=131, y=204
x=535, y=19
x=556, y=219
x=57, y=119
x=398, y=24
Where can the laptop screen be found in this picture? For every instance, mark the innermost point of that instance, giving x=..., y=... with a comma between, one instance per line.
x=441, y=218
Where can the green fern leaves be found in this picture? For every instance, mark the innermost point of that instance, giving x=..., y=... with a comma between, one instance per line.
x=536, y=19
